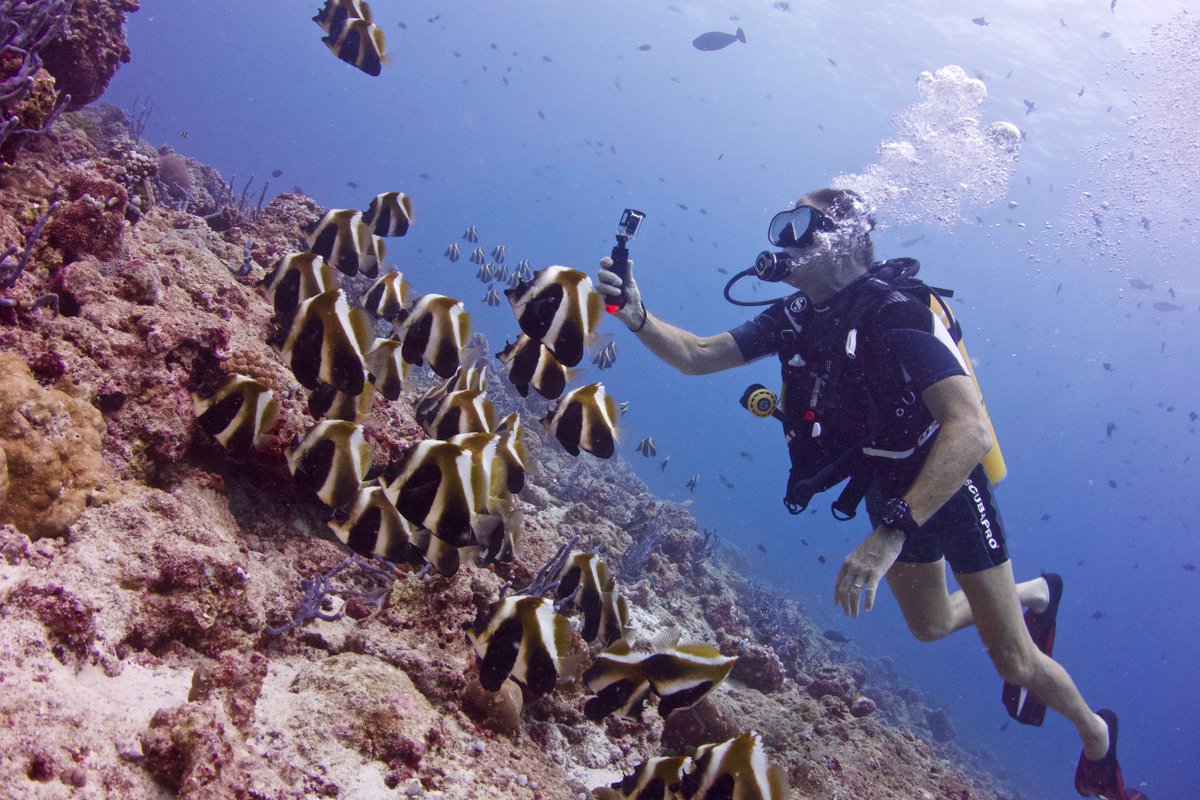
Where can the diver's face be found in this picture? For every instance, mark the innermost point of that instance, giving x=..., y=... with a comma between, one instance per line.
x=821, y=256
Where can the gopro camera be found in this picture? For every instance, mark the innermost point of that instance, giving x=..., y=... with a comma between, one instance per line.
x=626, y=229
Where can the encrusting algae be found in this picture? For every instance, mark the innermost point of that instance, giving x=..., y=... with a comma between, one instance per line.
x=134, y=653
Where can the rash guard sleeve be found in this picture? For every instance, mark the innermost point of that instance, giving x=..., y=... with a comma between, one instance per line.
x=910, y=337
x=761, y=336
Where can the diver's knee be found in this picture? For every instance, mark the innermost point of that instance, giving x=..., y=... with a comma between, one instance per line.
x=928, y=630
x=1015, y=665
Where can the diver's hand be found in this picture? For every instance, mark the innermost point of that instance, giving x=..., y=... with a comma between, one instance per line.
x=863, y=568
x=609, y=286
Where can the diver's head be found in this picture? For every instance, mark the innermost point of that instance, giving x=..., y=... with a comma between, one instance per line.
x=824, y=238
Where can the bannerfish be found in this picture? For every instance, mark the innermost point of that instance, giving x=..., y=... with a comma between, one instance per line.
x=326, y=401
x=498, y=253
x=426, y=406
x=341, y=238
x=735, y=768
x=617, y=679
x=371, y=526
x=683, y=674
x=646, y=447
x=361, y=44
x=559, y=308
x=387, y=297
x=444, y=557
x=502, y=273
x=1109, y=428
x=387, y=367
x=430, y=485
x=530, y=363
x=498, y=473
x=325, y=341
x=605, y=612
x=484, y=274
x=585, y=418
x=716, y=40
x=607, y=356
x=663, y=466
x=237, y=413
x=434, y=332
x=648, y=781
x=524, y=270
x=330, y=461
x=452, y=251
x=335, y=14
x=462, y=412
x=373, y=258
x=477, y=256
x=524, y=638
x=692, y=481
x=835, y=636
x=491, y=298
x=295, y=278
x=389, y=214
x=471, y=235
x=624, y=407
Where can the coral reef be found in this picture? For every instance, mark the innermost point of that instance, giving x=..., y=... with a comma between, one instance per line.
x=51, y=446
x=141, y=565
x=90, y=49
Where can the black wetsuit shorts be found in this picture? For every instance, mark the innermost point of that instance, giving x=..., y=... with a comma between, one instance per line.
x=966, y=531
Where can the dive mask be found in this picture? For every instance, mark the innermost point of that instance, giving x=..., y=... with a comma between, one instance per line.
x=797, y=226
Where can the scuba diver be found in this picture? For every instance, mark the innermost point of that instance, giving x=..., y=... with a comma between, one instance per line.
x=878, y=392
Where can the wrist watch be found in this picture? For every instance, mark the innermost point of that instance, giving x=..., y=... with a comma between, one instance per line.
x=896, y=514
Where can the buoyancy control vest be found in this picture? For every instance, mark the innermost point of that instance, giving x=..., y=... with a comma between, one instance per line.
x=825, y=393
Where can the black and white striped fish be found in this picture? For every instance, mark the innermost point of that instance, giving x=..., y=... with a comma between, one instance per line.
x=431, y=487
x=331, y=461
x=325, y=342
x=297, y=277
x=737, y=768
x=371, y=526
x=523, y=638
x=342, y=239
x=585, y=418
x=237, y=413
x=559, y=308
x=389, y=214
x=434, y=331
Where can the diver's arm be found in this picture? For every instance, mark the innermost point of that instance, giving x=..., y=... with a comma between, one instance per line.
x=684, y=350
x=963, y=439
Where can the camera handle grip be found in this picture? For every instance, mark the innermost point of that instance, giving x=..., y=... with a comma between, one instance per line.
x=620, y=267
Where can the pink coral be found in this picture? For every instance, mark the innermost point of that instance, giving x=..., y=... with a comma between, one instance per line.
x=92, y=221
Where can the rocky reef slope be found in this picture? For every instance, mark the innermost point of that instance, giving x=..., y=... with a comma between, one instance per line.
x=140, y=563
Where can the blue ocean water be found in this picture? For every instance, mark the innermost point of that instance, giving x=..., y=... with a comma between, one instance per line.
x=538, y=122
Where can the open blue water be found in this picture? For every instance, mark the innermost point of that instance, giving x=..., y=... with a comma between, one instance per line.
x=1063, y=342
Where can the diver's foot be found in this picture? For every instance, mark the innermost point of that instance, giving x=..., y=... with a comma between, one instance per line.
x=1096, y=741
x=1042, y=599
x=1101, y=777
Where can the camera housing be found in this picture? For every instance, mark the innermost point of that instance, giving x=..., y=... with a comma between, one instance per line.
x=627, y=228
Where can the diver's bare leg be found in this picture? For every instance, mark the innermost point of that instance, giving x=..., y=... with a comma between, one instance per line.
x=932, y=612
x=992, y=595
